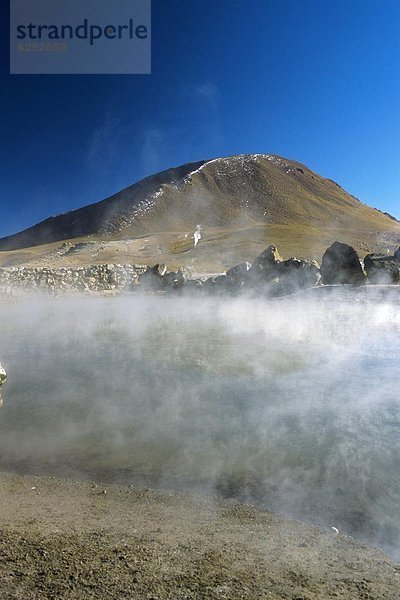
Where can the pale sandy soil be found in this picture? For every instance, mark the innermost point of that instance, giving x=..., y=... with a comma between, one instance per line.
x=76, y=540
x=219, y=248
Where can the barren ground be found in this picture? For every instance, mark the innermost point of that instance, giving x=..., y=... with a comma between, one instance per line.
x=219, y=248
x=67, y=539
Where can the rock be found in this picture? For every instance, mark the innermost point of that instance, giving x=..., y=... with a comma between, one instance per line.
x=341, y=264
x=263, y=271
x=397, y=254
x=216, y=285
x=274, y=277
x=152, y=279
x=3, y=374
x=237, y=275
x=97, y=278
x=382, y=269
x=160, y=270
x=295, y=274
x=173, y=280
x=264, y=265
x=193, y=286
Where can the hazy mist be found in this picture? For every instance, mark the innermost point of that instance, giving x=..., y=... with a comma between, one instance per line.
x=290, y=404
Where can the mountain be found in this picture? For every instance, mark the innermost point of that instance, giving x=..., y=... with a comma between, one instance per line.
x=241, y=202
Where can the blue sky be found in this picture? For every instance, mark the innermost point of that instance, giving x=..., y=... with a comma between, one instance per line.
x=315, y=81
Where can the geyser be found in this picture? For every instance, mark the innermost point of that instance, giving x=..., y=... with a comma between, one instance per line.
x=291, y=404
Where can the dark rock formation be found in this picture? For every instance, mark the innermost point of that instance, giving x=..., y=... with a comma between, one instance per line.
x=175, y=280
x=193, y=286
x=216, y=285
x=152, y=278
x=341, y=264
x=237, y=275
x=263, y=267
x=274, y=276
x=295, y=274
x=237, y=278
x=269, y=275
x=262, y=276
x=382, y=269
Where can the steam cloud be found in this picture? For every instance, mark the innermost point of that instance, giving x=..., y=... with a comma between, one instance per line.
x=289, y=404
x=197, y=235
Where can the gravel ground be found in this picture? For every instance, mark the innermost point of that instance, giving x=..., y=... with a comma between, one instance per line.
x=77, y=540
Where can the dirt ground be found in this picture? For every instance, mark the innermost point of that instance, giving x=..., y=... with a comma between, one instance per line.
x=64, y=539
x=219, y=248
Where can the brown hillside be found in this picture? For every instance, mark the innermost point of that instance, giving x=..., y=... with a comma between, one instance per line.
x=242, y=203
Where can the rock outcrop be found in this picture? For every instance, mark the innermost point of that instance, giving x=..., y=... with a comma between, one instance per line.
x=152, y=278
x=217, y=285
x=263, y=267
x=268, y=276
x=341, y=265
x=175, y=280
x=238, y=275
x=294, y=274
x=96, y=278
x=382, y=269
x=157, y=279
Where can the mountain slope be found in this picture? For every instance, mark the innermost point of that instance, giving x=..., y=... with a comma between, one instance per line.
x=106, y=215
x=245, y=193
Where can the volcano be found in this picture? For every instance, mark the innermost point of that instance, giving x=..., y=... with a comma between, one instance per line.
x=242, y=204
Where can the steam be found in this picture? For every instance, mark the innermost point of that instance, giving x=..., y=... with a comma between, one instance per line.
x=197, y=235
x=289, y=404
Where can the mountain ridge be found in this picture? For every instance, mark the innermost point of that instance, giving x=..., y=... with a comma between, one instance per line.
x=74, y=226
x=241, y=202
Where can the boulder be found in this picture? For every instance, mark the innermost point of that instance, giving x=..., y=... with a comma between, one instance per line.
x=216, y=285
x=264, y=265
x=152, y=278
x=3, y=374
x=173, y=280
x=193, y=286
x=160, y=269
x=263, y=271
x=341, y=264
x=272, y=275
x=397, y=254
x=237, y=276
x=295, y=274
x=382, y=269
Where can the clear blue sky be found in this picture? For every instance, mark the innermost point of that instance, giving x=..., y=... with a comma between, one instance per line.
x=316, y=81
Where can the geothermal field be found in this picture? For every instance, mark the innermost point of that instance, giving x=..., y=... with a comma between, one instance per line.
x=288, y=404
x=181, y=423
x=200, y=300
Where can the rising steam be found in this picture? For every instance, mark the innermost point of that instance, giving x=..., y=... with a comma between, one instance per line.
x=197, y=235
x=291, y=404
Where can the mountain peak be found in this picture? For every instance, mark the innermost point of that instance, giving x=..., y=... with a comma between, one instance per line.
x=262, y=193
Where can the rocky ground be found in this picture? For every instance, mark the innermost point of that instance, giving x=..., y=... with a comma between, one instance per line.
x=218, y=249
x=269, y=275
x=78, y=540
x=96, y=278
